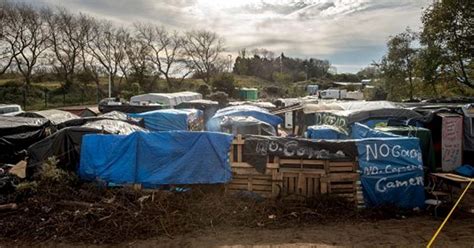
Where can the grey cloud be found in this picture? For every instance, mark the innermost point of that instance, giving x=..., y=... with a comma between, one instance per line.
x=350, y=32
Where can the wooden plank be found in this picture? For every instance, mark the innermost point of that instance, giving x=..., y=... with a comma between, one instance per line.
x=346, y=177
x=340, y=169
x=301, y=161
x=254, y=181
x=342, y=186
x=306, y=172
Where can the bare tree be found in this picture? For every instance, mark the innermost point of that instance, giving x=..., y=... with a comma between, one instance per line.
x=202, y=49
x=166, y=51
x=26, y=33
x=137, y=55
x=67, y=36
x=105, y=44
x=90, y=69
x=9, y=37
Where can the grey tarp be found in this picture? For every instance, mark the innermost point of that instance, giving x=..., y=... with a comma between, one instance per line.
x=54, y=115
x=65, y=144
x=246, y=125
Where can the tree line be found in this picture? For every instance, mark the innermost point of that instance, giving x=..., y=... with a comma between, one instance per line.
x=439, y=56
x=80, y=49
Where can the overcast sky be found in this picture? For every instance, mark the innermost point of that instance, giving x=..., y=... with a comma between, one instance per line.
x=349, y=33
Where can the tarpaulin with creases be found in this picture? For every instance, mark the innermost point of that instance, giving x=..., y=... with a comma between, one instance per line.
x=391, y=172
x=157, y=158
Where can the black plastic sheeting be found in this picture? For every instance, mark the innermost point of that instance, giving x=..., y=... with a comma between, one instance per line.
x=257, y=148
x=246, y=125
x=126, y=108
x=17, y=133
x=65, y=144
x=55, y=116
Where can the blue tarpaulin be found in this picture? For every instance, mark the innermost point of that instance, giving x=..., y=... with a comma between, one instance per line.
x=167, y=119
x=360, y=131
x=325, y=132
x=157, y=158
x=391, y=172
x=243, y=110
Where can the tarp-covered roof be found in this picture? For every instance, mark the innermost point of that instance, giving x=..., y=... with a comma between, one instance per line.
x=171, y=99
x=17, y=133
x=114, y=115
x=324, y=106
x=66, y=143
x=168, y=119
x=56, y=116
x=15, y=124
x=246, y=125
x=243, y=110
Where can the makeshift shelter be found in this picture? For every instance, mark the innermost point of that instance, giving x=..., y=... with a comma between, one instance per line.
x=243, y=110
x=208, y=107
x=65, y=144
x=168, y=99
x=82, y=111
x=114, y=115
x=55, y=116
x=17, y=133
x=266, y=105
x=344, y=114
x=246, y=125
x=172, y=119
x=157, y=158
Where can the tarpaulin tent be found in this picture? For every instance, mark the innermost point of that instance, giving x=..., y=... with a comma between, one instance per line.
x=114, y=115
x=171, y=119
x=246, y=125
x=157, y=158
x=55, y=116
x=325, y=132
x=169, y=99
x=344, y=118
x=243, y=110
x=65, y=144
x=17, y=133
x=208, y=107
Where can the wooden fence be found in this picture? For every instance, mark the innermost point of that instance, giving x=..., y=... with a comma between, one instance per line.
x=294, y=178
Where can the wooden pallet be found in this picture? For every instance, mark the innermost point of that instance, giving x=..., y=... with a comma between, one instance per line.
x=294, y=178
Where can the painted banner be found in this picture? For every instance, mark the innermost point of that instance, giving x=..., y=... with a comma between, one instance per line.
x=391, y=172
x=451, y=142
x=257, y=148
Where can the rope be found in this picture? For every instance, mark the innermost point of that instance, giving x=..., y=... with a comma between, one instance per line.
x=449, y=215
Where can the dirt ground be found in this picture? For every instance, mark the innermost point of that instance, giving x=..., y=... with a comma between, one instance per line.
x=410, y=232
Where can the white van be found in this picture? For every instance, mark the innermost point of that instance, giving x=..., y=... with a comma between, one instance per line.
x=10, y=109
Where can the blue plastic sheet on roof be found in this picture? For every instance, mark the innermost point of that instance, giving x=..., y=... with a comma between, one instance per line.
x=166, y=119
x=157, y=158
x=391, y=172
x=360, y=131
x=326, y=132
x=243, y=110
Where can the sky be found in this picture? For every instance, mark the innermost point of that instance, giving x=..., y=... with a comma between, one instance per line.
x=349, y=33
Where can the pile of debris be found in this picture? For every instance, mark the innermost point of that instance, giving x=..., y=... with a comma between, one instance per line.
x=56, y=206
